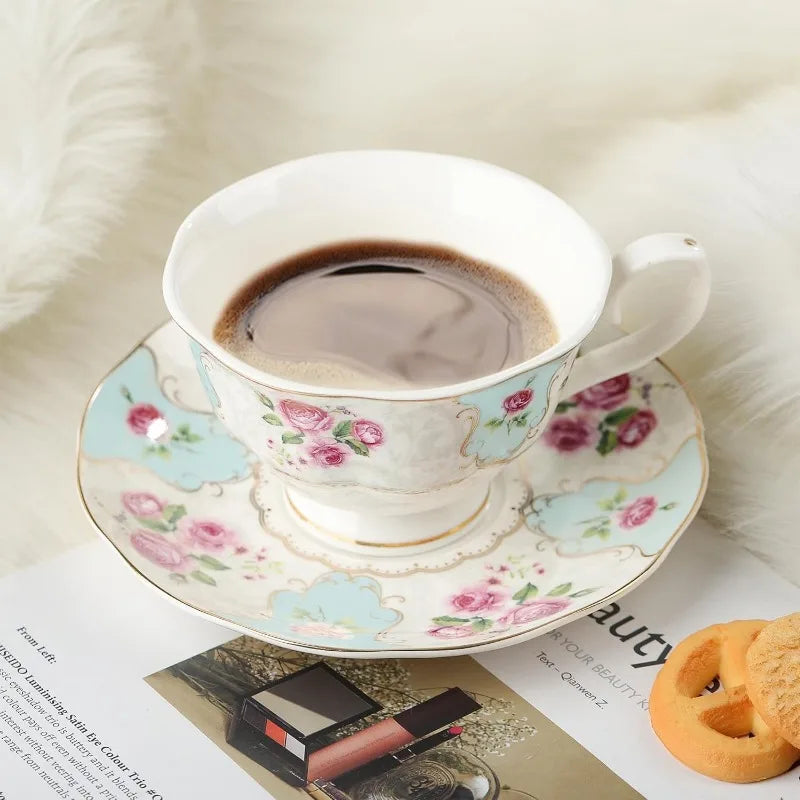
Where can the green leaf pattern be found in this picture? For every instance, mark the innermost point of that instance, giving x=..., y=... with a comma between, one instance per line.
x=201, y=576
x=357, y=447
x=620, y=415
x=184, y=435
x=173, y=513
x=445, y=620
x=342, y=429
x=211, y=562
x=525, y=593
x=608, y=441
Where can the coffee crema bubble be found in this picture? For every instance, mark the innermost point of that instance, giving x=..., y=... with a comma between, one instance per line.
x=376, y=314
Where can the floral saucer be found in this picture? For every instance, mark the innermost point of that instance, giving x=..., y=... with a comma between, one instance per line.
x=584, y=516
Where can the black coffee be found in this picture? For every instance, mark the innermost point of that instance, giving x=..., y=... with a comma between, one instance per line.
x=384, y=314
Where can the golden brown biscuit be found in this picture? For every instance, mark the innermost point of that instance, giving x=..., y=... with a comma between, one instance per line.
x=773, y=676
x=711, y=733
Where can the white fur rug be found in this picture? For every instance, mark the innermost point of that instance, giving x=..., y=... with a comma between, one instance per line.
x=119, y=117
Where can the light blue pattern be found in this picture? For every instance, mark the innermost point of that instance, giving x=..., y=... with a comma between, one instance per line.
x=496, y=442
x=599, y=504
x=211, y=392
x=347, y=607
x=204, y=453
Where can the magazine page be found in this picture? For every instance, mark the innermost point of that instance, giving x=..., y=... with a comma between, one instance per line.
x=109, y=691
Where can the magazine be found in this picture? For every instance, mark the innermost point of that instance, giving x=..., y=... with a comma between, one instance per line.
x=107, y=690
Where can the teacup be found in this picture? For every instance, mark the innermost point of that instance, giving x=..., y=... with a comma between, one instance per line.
x=410, y=467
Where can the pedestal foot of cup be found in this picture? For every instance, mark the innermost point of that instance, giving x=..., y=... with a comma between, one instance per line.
x=384, y=534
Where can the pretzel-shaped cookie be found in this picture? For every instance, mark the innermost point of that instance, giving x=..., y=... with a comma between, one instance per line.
x=720, y=735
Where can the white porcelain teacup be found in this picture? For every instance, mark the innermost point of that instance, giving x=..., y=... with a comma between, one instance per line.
x=407, y=467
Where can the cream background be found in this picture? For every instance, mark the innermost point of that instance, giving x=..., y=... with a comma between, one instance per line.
x=119, y=117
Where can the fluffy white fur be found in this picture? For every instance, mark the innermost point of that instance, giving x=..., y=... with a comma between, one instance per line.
x=118, y=117
x=731, y=179
x=78, y=100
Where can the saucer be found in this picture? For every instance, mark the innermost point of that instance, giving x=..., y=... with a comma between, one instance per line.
x=589, y=512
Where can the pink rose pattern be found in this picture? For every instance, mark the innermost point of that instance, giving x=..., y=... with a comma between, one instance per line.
x=206, y=534
x=600, y=417
x=606, y=395
x=634, y=430
x=327, y=455
x=518, y=401
x=638, y=512
x=515, y=410
x=149, y=422
x=141, y=417
x=328, y=437
x=451, y=631
x=536, y=609
x=603, y=417
x=159, y=550
x=143, y=504
x=568, y=434
x=479, y=598
x=184, y=545
x=626, y=515
x=304, y=417
x=191, y=548
x=504, y=599
x=368, y=432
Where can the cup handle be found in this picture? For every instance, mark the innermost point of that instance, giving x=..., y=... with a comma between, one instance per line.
x=641, y=346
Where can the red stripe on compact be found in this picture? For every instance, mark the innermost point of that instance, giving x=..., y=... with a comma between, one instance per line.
x=275, y=732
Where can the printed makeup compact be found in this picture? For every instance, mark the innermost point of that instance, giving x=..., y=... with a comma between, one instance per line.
x=282, y=723
x=286, y=727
